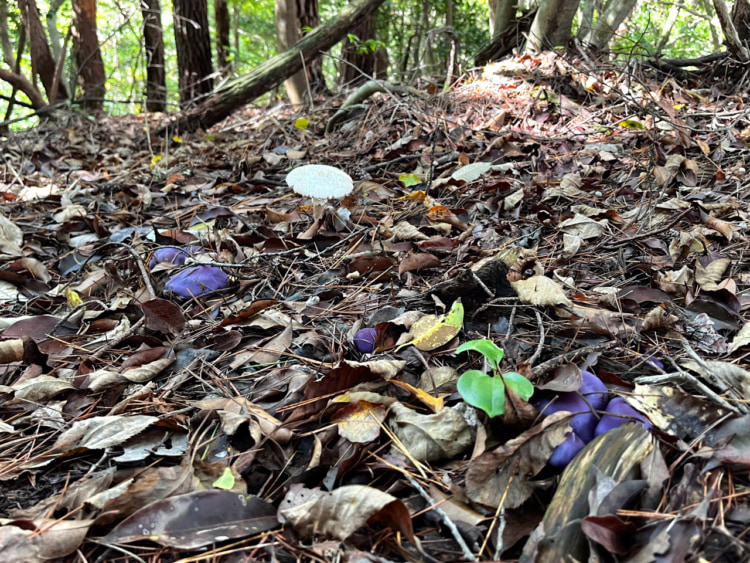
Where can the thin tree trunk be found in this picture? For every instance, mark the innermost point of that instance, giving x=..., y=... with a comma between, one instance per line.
x=309, y=17
x=55, y=41
x=715, y=39
x=42, y=63
x=492, y=5
x=242, y=90
x=587, y=20
x=609, y=20
x=193, y=43
x=88, y=54
x=221, y=16
x=287, y=34
x=153, y=38
x=5, y=36
x=552, y=25
x=674, y=11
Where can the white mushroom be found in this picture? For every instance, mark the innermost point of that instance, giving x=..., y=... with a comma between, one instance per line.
x=320, y=183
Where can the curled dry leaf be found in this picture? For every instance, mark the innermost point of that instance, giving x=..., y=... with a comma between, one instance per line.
x=40, y=541
x=343, y=511
x=511, y=466
x=445, y=434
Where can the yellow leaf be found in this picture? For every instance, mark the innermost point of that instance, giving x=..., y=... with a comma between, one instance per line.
x=418, y=195
x=74, y=300
x=435, y=404
x=177, y=139
x=301, y=123
x=433, y=331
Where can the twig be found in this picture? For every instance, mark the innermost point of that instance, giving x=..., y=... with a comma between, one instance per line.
x=468, y=555
x=540, y=346
x=544, y=367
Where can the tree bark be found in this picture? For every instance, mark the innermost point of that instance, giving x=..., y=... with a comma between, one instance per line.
x=734, y=43
x=287, y=34
x=42, y=63
x=21, y=83
x=88, y=55
x=609, y=20
x=153, y=39
x=193, y=43
x=221, y=17
x=264, y=77
x=357, y=66
x=586, y=18
x=309, y=17
x=551, y=26
x=741, y=19
x=4, y=36
x=505, y=13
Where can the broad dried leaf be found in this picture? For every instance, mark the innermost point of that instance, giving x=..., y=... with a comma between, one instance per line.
x=360, y=421
x=196, y=519
x=445, y=434
x=540, y=291
x=100, y=432
x=342, y=512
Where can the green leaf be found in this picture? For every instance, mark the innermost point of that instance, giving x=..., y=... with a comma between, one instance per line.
x=225, y=481
x=631, y=124
x=409, y=180
x=485, y=347
x=520, y=385
x=482, y=391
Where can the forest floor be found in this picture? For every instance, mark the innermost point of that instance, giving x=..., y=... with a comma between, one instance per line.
x=180, y=374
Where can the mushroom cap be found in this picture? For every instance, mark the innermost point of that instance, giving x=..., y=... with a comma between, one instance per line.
x=320, y=182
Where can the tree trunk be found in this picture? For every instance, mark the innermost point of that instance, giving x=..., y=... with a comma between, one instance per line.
x=741, y=19
x=609, y=20
x=505, y=13
x=4, y=36
x=42, y=63
x=358, y=62
x=735, y=44
x=193, y=43
x=287, y=34
x=153, y=38
x=551, y=26
x=308, y=17
x=223, y=56
x=492, y=5
x=666, y=31
x=88, y=55
x=587, y=20
x=244, y=89
x=55, y=41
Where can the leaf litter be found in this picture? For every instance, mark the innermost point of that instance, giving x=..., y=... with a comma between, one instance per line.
x=182, y=375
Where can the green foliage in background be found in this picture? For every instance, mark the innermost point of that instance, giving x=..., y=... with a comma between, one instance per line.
x=400, y=25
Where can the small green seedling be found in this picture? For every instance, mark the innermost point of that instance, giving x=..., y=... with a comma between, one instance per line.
x=487, y=392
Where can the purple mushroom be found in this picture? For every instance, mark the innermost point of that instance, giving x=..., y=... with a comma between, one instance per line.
x=618, y=413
